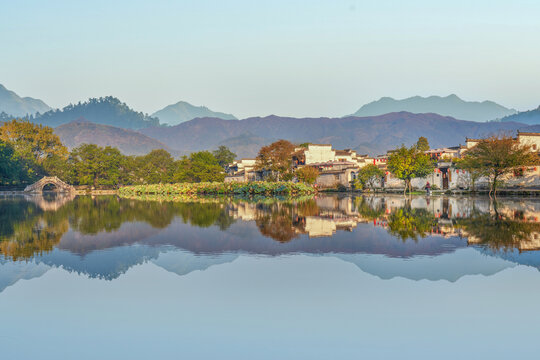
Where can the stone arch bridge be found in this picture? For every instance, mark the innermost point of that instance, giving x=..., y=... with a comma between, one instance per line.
x=38, y=186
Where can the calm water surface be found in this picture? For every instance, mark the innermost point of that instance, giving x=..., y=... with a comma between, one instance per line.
x=334, y=277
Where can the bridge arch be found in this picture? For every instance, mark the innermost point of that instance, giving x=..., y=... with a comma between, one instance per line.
x=60, y=185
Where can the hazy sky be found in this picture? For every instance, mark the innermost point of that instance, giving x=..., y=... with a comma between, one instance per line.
x=297, y=58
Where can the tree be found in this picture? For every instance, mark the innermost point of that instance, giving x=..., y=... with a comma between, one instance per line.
x=33, y=144
x=96, y=166
x=500, y=155
x=201, y=166
x=276, y=158
x=204, y=167
x=422, y=144
x=369, y=175
x=11, y=167
x=408, y=163
x=224, y=156
x=31, y=140
x=155, y=167
x=307, y=174
x=473, y=167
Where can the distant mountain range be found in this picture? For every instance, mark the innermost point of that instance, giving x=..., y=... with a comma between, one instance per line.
x=531, y=117
x=373, y=135
x=127, y=141
x=182, y=111
x=105, y=110
x=450, y=105
x=13, y=104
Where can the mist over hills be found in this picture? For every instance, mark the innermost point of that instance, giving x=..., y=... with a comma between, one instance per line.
x=531, y=117
x=183, y=111
x=13, y=104
x=450, y=105
x=373, y=135
x=129, y=142
x=105, y=110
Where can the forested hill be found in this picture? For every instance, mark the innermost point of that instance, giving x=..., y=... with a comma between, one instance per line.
x=105, y=110
x=373, y=135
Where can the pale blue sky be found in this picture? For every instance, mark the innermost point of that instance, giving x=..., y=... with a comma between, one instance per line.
x=297, y=58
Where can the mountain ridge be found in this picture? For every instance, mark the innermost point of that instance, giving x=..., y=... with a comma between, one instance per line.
x=16, y=106
x=450, y=105
x=183, y=111
x=373, y=135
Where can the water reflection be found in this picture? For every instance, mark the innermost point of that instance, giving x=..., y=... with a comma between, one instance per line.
x=104, y=236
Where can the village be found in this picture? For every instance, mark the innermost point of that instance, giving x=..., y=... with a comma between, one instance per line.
x=338, y=169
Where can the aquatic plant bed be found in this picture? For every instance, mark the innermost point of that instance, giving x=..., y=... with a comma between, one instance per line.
x=252, y=188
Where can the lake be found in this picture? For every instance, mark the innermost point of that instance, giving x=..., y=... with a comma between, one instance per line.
x=330, y=277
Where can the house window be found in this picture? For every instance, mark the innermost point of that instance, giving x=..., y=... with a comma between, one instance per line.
x=336, y=176
x=534, y=147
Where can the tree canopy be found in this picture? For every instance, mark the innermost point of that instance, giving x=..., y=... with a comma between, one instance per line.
x=408, y=163
x=276, y=158
x=224, y=156
x=422, y=144
x=500, y=155
x=368, y=176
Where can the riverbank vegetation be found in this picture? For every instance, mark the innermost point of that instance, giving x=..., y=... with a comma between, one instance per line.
x=216, y=188
x=29, y=151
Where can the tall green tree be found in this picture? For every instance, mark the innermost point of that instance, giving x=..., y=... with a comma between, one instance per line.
x=11, y=166
x=96, y=166
x=204, y=167
x=201, y=166
x=422, y=144
x=368, y=176
x=155, y=167
x=408, y=163
x=224, y=156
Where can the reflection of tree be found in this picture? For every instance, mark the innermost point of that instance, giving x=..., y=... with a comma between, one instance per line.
x=498, y=232
x=410, y=223
x=369, y=209
x=26, y=230
x=276, y=221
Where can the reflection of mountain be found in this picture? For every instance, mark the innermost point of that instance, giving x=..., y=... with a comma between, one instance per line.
x=182, y=263
x=450, y=266
x=104, y=264
x=528, y=258
x=11, y=272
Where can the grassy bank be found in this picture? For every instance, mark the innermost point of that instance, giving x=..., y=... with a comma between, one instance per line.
x=252, y=188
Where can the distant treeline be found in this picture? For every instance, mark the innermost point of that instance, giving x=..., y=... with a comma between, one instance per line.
x=29, y=151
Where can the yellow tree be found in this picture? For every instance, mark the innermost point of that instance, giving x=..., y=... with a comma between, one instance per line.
x=36, y=144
